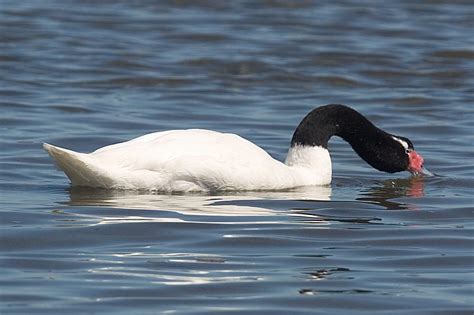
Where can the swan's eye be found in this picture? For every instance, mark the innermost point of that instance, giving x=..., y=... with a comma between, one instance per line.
x=407, y=151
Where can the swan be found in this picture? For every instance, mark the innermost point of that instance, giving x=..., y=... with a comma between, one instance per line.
x=204, y=160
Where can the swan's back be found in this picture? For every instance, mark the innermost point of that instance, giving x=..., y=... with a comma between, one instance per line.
x=177, y=160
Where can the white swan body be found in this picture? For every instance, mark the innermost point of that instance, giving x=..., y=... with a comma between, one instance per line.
x=193, y=160
x=202, y=160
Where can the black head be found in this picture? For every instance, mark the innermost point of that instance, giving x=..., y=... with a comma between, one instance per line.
x=388, y=153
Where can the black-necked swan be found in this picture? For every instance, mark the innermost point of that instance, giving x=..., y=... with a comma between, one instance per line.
x=204, y=160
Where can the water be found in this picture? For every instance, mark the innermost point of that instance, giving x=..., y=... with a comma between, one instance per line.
x=83, y=74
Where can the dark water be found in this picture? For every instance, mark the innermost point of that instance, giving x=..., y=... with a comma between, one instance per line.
x=83, y=74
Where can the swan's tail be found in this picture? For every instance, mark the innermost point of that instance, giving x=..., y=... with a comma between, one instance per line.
x=81, y=169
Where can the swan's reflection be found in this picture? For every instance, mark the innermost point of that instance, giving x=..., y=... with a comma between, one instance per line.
x=309, y=205
x=384, y=194
x=225, y=204
x=257, y=203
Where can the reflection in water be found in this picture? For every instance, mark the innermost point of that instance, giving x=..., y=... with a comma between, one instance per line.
x=188, y=268
x=194, y=204
x=308, y=204
x=251, y=203
x=324, y=273
x=192, y=277
x=392, y=189
x=381, y=195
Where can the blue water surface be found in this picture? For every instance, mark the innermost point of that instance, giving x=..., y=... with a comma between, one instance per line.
x=84, y=74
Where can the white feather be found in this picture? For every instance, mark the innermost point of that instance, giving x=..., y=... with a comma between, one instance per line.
x=192, y=160
x=403, y=143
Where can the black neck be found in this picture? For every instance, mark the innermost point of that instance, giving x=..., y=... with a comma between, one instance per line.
x=371, y=143
x=334, y=120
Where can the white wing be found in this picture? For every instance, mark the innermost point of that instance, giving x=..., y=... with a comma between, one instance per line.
x=178, y=160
